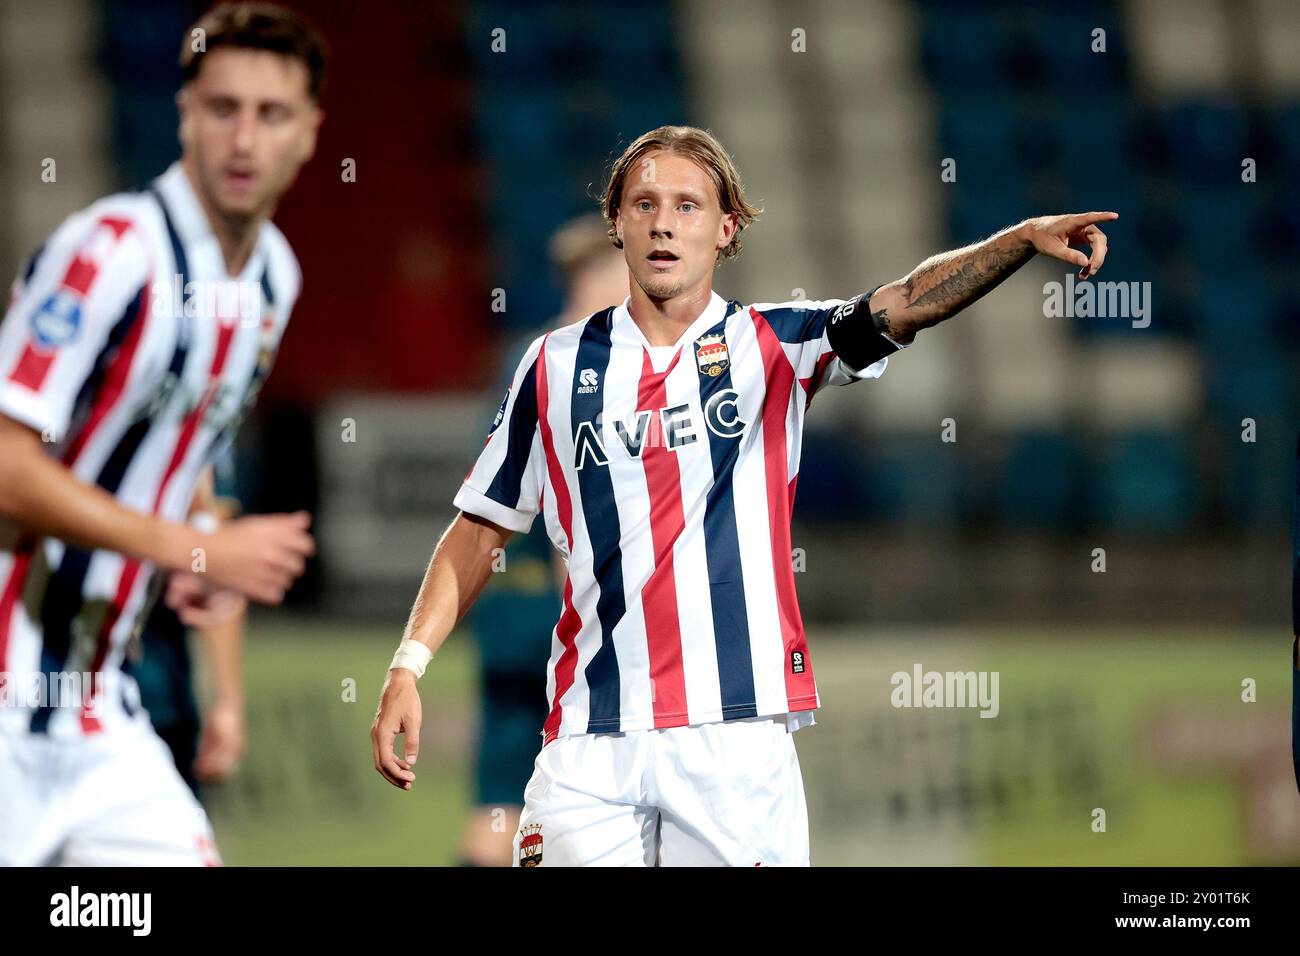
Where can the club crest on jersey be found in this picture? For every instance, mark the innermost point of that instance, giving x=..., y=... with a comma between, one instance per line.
x=530, y=845
x=267, y=347
x=711, y=355
x=56, y=322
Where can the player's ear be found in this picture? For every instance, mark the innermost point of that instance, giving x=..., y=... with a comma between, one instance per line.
x=727, y=229
x=314, y=120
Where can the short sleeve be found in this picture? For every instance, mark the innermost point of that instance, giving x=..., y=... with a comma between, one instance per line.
x=505, y=484
x=803, y=328
x=77, y=294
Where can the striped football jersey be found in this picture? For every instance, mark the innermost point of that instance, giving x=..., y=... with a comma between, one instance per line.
x=666, y=478
x=135, y=355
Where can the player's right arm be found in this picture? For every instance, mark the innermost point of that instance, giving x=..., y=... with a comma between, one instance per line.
x=457, y=573
x=94, y=270
x=501, y=495
x=258, y=556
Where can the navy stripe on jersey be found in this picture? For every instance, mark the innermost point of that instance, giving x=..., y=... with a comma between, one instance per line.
x=32, y=263
x=182, y=269
x=794, y=325
x=116, y=336
x=267, y=292
x=62, y=602
x=601, y=518
x=722, y=555
x=519, y=442
x=260, y=371
x=29, y=270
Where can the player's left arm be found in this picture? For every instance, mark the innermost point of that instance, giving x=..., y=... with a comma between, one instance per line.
x=219, y=620
x=222, y=741
x=944, y=284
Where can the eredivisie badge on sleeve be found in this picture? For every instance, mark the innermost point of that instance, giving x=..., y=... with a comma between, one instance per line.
x=711, y=355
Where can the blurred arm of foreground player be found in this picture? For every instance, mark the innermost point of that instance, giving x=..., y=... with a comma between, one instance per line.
x=458, y=571
x=219, y=620
x=258, y=556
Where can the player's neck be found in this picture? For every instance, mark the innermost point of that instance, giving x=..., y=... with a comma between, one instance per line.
x=662, y=321
x=237, y=236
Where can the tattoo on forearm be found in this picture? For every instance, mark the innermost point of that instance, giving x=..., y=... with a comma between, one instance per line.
x=883, y=325
x=946, y=284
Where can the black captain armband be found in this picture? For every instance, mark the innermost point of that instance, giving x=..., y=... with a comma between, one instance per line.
x=855, y=336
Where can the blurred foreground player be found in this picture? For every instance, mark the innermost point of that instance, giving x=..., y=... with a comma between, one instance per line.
x=116, y=395
x=660, y=441
x=513, y=619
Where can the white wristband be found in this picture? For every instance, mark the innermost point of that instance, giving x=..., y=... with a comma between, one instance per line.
x=412, y=655
x=205, y=521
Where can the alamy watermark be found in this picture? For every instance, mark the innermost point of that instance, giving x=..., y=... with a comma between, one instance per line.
x=1100, y=300
x=208, y=299
x=922, y=688
x=52, y=689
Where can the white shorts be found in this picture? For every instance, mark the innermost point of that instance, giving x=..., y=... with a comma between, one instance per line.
x=108, y=799
x=719, y=794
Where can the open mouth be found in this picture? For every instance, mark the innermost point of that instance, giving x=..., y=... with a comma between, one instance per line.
x=240, y=179
x=662, y=259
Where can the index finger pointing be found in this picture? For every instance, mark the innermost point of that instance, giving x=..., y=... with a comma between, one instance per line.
x=1088, y=218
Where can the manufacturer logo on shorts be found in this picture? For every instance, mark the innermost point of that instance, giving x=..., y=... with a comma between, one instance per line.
x=530, y=845
x=711, y=355
x=796, y=662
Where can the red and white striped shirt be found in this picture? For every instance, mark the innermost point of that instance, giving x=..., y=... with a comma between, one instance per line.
x=131, y=350
x=666, y=479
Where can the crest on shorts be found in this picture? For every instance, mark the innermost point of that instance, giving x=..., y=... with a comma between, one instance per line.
x=530, y=845
x=711, y=355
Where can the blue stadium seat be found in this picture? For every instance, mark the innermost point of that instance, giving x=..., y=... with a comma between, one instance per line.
x=915, y=480
x=1235, y=314
x=966, y=48
x=1225, y=225
x=1206, y=141
x=631, y=44
x=1042, y=482
x=1284, y=125
x=982, y=135
x=1146, y=482
x=974, y=211
x=1258, y=483
x=1249, y=383
x=1093, y=142
x=831, y=485
x=529, y=60
x=144, y=132
x=1060, y=36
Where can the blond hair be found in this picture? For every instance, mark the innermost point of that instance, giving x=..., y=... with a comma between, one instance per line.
x=701, y=147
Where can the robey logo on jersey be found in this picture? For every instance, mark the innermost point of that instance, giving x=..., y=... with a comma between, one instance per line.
x=671, y=427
